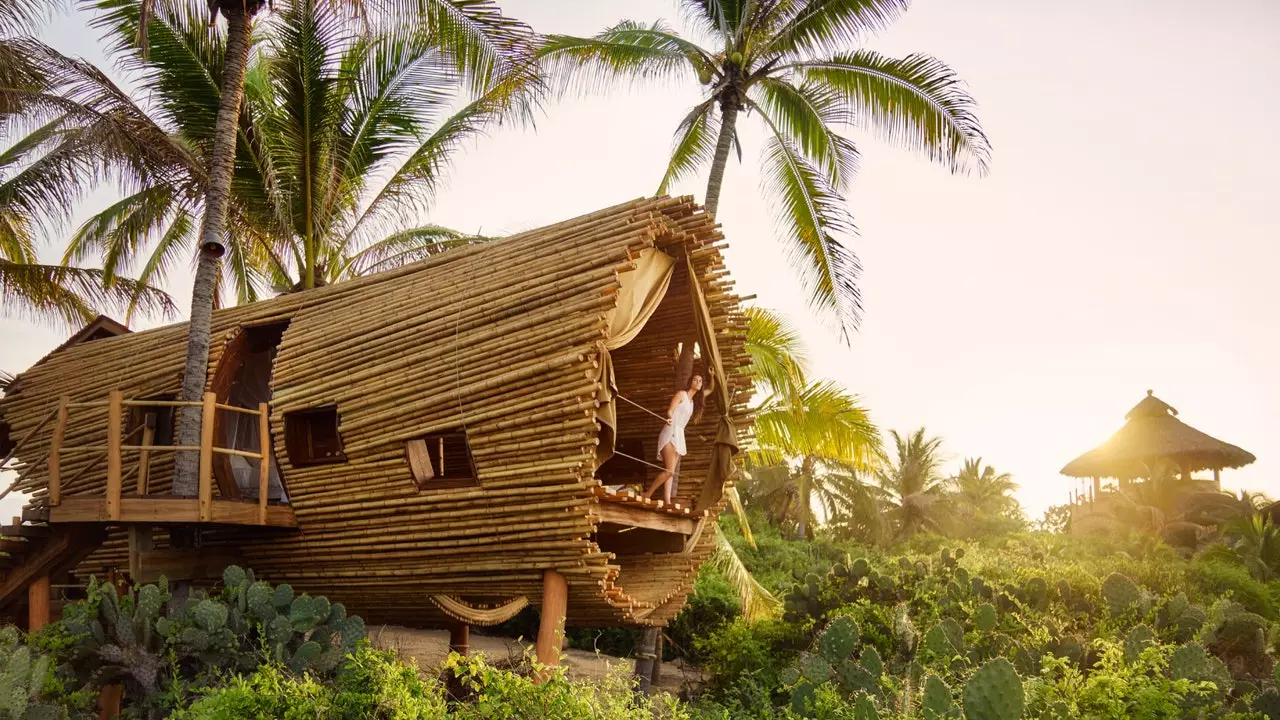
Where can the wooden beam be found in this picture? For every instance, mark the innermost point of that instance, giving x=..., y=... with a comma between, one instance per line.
x=186, y=565
x=57, y=555
x=166, y=509
x=38, y=603
x=208, y=415
x=555, y=603
x=115, y=438
x=264, y=463
x=629, y=516
x=141, y=540
x=55, y=450
x=149, y=421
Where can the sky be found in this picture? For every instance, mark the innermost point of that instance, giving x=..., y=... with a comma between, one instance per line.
x=1125, y=238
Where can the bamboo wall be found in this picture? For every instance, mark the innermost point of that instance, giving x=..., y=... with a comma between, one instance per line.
x=501, y=340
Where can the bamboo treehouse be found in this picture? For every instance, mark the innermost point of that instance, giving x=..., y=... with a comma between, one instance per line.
x=440, y=444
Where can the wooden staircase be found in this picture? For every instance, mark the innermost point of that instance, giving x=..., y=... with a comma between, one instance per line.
x=32, y=551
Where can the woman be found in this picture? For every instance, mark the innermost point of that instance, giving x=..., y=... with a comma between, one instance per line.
x=685, y=405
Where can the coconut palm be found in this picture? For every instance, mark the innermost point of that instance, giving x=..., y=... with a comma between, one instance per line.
x=347, y=140
x=791, y=64
x=982, y=493
x=801, y=443
x=913, y=482
x=193, y=153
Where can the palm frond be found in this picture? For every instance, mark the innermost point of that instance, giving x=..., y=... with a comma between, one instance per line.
x=740, y=512
x=830, y=26
x=777, y=357
x=484, y=45
x=917, y=102
x=628, y=50
x=757, y=602
x=811, y=217
x=404, y=247
x=806, y=113
x=723, y=19
x=695, y=144
x=69, y=297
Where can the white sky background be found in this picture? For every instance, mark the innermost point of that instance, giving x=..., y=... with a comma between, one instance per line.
x=1125, y=239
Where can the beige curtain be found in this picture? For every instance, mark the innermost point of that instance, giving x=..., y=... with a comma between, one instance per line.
x=642, y=291
x=639, y=295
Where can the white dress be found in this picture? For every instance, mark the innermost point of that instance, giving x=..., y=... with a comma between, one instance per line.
x=673, y=432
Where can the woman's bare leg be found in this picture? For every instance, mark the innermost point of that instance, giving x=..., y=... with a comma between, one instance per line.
x=669, y=458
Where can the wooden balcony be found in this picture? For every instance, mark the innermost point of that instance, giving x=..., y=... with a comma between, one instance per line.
x=142, y=507
x=628, y=522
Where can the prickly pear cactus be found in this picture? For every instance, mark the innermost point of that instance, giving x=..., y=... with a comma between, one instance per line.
x=1191, y=662
x=22, y=677
x=1121, y=593
x=864, y=708
x=985, y=618
x=1036, y=591
x=994, y=693
x=839, y=640
x=1139, y=638
x=936, y=703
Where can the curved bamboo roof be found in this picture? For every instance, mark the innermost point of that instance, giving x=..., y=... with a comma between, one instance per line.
x=1151, y=434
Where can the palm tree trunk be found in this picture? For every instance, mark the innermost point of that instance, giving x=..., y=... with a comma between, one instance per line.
x=728, y=123
x=806, y=496
x=221, y=165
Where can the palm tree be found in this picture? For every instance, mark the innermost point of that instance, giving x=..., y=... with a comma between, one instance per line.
x=326, y=189
x=791, y=64
x=186, y=163
x=913, y=482
x=982, y=493
x=820, y=429
x=1253, y=540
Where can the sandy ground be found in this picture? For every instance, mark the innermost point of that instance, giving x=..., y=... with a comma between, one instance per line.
x=430, y=647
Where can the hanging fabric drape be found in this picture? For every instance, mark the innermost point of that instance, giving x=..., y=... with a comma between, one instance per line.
x=726, y=442
x=640, y=292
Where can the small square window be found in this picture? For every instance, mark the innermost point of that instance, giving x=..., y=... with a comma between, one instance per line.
x=311, y=437
x=441, y=461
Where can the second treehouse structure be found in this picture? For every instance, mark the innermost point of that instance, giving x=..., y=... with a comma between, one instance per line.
x=444, y=442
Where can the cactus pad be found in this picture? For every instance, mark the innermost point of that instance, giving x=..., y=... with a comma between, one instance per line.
x=936, y=702
x=1138, y=639
x=985, y=618
x=840, y=639
x=994, y=693
x=1121, y=593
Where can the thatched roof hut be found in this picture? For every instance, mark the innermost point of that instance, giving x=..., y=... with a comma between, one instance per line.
x=1153, y=435
x=443, y=440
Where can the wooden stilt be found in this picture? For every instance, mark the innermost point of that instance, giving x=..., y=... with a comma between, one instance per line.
x=141, y=540
x=109, y=701
x=655, y=678
x=38, y=603
x=1217, y=478
x=460, y=638
x=645, y=658
x=555, y=602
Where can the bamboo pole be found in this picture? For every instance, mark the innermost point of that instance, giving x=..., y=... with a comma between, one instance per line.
x=264, y=462
x=115, y=438
x=55, y=451
x=144, y=455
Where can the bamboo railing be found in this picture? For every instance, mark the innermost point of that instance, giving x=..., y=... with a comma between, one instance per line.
x=117, y=445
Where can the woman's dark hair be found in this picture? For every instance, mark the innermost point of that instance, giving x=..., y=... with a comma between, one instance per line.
x=698, y=396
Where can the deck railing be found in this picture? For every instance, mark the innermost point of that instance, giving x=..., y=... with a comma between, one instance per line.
x=116, y=447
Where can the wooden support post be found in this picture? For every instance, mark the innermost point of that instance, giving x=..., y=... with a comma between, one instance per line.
x=1097, y=487
x=1217, y=478
x=55, y=451
x=207, y=418
x=656, y=677
x=144, y=455
x=115, y=438
x=264, y=465
x=38, y=603
x=109, y=698
x=460, y=638
x=141, y=541
x=555, y=603
x=645, y=658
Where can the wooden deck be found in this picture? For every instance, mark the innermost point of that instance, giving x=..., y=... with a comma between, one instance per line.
x=625, y=508
x=167, y=509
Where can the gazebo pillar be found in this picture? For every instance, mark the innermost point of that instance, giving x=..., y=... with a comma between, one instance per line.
x=1217, y=478
x=1097, y=486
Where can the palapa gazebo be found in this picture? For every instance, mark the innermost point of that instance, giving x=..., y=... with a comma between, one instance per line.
x=441, y=444
x=1153, y=436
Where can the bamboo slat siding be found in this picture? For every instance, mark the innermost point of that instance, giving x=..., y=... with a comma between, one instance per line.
x=501, y=340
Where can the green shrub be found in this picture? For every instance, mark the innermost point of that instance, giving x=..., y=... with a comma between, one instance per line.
x=1216, y=578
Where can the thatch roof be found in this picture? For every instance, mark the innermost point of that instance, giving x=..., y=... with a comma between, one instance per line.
x=1152, y=434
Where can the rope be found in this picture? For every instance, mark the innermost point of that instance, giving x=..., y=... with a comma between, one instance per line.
x=642, y=462
x=660, y=417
